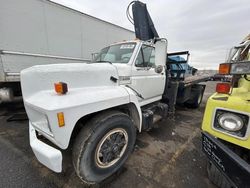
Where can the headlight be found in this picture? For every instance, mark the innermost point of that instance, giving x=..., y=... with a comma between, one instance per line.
x=231, y=122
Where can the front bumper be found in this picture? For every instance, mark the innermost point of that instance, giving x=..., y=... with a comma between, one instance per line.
x=47, y=155
x=229, y=163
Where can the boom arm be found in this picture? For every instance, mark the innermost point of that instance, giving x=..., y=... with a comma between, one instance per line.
x=144, y=26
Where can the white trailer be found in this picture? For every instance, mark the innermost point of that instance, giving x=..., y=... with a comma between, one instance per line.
x=36, y=32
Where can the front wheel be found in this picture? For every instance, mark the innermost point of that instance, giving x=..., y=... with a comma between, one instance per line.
x=103, y=145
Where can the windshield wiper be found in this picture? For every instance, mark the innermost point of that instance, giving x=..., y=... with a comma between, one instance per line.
x=101, y=61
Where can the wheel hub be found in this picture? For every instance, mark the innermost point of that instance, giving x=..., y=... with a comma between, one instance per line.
x=111, y=148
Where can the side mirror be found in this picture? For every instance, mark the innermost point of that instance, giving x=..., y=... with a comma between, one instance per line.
x=160, y=52
x=93, y=56
x=194, y=71
x=159, y=68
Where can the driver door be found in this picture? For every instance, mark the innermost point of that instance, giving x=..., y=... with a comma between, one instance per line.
x=145, y=81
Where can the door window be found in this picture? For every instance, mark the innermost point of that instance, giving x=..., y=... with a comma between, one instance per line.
x=146, y=57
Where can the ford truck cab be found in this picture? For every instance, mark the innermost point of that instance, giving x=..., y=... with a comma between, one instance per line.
x=226, y=123
x=97, y=106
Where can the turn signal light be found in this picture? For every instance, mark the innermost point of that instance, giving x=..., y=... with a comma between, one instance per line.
x=61, y=88
x=224, y=68
x=223, y=88
x=60, y=118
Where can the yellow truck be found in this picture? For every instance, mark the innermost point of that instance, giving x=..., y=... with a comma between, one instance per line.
x=226, y=123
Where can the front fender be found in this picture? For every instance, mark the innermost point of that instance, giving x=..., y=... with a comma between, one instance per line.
x=133, y=98
x=76, y=104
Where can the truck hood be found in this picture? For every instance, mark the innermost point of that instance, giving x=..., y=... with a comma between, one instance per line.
x=77, y=75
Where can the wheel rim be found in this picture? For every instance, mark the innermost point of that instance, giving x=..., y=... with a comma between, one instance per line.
x=111, y=148
x=200, y=99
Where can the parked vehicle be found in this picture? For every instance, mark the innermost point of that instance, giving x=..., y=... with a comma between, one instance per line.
x=220, y=77
x=226, y=124
x=99, y=106
x=34, y=32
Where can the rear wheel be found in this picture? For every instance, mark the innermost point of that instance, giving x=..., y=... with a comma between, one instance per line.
x=196, y=97
x=216, y=177
x=103, y=145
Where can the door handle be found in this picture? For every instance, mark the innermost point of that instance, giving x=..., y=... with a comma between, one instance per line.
x=140, y=69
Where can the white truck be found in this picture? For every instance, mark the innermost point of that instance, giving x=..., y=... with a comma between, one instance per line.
x=36, y=32
x=99, y=106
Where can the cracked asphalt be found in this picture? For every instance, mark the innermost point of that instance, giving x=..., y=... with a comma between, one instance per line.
x=168, y=156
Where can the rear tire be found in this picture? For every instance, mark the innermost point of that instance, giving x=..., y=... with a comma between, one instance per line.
x=216, y=177
x=196, y=98
x=103, y=145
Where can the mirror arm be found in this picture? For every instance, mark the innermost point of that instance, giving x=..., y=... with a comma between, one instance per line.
x=159, y=39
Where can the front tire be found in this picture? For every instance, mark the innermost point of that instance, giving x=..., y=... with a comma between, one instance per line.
x=103, y=145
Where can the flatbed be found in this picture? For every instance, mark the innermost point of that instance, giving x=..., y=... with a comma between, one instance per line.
x=195, y=80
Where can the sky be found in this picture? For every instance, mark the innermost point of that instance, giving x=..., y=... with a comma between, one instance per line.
x=207, y=28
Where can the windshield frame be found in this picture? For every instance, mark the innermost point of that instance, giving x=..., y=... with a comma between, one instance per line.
x=236, y=52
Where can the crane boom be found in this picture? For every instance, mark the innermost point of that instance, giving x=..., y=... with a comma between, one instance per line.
x=143, y=24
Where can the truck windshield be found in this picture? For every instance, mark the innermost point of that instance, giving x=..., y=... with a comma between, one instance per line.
x=239, y=53
x=119, y=53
